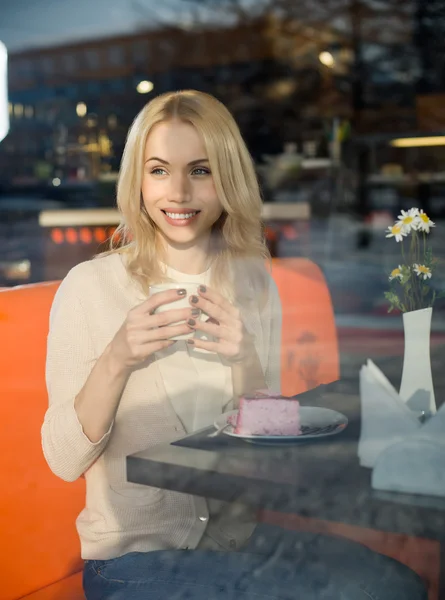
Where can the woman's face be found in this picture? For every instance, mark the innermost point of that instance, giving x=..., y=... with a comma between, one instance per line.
x=177, y=186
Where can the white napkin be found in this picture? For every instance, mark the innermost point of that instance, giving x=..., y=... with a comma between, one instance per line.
x=385, y=417
x=415, y=465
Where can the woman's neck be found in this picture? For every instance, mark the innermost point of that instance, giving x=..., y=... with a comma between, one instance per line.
x=191, y=261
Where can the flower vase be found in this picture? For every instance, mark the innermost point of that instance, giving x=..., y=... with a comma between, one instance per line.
x=416, y=388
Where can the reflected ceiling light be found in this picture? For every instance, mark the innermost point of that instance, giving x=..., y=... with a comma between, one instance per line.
x=18, y=110
x=81, y=109
x=436, y=140
x=144, y=87
x=326, y=59
x=4, y=107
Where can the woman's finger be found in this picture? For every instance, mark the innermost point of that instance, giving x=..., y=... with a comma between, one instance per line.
x=219, y=300
x=217, y=331
x=156, y=346
x=154, y=301
x=169, y=317
x=212, y=310
x=162, y=333
x=205, y=345
x=221, y=347
x=147, y=350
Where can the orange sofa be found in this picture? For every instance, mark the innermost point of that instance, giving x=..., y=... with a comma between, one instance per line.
x=40, y=552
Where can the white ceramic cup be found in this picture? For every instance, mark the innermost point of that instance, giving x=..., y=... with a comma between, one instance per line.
x=182, y=302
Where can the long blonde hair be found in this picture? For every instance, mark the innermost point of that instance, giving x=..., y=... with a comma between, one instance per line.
x=238, y=235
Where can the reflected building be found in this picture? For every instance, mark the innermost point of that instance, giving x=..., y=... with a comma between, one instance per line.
x=285, y=82
x=429, y=40
x=71, y=106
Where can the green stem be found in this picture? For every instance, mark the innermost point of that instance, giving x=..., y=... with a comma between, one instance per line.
x=419, y=279
x=414, y=260
x=411, y=294
x=417, y=285
x=415, y=281
x=412, y=274
x=408, y=301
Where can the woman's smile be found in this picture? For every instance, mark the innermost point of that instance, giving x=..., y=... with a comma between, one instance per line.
x=181, y=217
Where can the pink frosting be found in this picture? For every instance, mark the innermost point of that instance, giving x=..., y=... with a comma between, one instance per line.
x=270, y=415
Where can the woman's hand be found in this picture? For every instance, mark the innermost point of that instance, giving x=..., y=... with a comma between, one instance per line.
x=232, y=340
x=143, y=333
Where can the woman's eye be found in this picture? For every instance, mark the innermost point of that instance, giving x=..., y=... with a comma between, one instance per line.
x=201, y=171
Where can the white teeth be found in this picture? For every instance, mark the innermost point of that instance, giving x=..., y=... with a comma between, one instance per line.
x=180, y=215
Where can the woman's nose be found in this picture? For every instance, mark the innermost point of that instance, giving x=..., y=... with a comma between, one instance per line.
x=180, y=189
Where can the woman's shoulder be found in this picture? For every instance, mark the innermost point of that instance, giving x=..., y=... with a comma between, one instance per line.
x=100, y=264
x=255, y=283
x=97, y=273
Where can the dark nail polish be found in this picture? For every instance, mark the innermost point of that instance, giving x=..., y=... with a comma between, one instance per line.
x=182, y=292
x=194, y=299
x=190, y=342
x=196, y=312
x=203, y=289
x=191, y=322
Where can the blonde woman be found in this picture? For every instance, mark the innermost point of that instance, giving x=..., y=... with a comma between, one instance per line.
x=118, y=383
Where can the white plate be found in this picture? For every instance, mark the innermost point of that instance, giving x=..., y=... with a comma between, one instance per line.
x=316, y=422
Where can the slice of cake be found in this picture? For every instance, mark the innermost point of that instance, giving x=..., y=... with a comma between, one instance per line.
x=264, y=413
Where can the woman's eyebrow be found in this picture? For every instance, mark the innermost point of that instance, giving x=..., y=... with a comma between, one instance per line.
x=165, y=162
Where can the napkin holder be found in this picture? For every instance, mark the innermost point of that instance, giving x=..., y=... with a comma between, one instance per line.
x=416, y=464
x=385, y=418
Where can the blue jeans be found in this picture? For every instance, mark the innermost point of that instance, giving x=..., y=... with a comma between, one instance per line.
x=275, y=565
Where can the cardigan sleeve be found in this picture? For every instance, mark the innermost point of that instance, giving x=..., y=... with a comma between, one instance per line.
x=70, y=359
x=274, y=314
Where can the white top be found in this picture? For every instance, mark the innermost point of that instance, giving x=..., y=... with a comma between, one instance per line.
x=119, y=517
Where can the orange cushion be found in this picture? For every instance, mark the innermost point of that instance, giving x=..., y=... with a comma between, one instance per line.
x=309, y=336
x=37, y=510
x=67, y=589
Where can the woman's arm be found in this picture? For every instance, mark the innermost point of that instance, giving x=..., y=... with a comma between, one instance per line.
x=72, y=369
x=97, y=402
x=247, y=376
x=274, y=315
x=84, y=392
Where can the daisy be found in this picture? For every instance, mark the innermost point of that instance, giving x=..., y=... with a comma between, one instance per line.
x=408, y=219
x=397, y=231
x=396, y=274
x=423, y=271
x=424, y=223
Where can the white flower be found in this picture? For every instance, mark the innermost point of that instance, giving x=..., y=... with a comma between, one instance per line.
x=424, y=223
x=408, y=219
x=396, y=274
x=397, y=231
x=422, y=271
